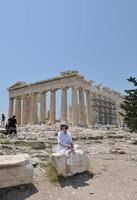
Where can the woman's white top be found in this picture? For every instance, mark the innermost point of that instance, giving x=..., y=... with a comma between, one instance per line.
x=64, y=138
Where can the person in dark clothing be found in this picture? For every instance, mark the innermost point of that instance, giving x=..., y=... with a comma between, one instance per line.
x=2, y=119
x=12, y=121
x=11, y=125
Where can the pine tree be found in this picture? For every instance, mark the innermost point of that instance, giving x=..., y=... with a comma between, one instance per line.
x=129, y=106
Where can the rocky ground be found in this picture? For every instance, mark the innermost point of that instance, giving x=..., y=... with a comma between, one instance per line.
x=113, y=165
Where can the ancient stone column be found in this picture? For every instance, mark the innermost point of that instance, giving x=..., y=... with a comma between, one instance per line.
x=81, y=107
x=64, y=105
x=101, y=109
x=74, y=106
x=110, y=111
x=69, y=117
x=18, y=110
x=89, y=108
x=52, y=108
x=34, y=109
x=11, y=107
x=24, y=110
x=42, y=108
x=28, y=106
x=107, y=109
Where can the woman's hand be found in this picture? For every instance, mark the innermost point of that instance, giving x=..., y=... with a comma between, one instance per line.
x=69, y=146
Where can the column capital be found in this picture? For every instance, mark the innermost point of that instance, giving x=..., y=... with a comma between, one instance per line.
x=25, y=95
x=34, y=93
x=75, y=87
x=81, y=89
x=11, y=98
x=43, y=92
x=18, y=97
x=53, y=91
x=64, y=88
x=87, y=91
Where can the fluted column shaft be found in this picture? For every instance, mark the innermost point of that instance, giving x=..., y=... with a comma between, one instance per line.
x=107, y=108
x=52, y=108
x=89, y=107
x=34, y=109
x=28, y=106
x=11, y=107
x=43, y=108
x=18, y=110
x=102, y=110
x=64, y=105
x=81, y=107
x=24, y=111
x=74, y=106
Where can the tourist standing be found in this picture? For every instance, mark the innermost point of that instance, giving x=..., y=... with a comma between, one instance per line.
x=11, y=125
x=2, y=119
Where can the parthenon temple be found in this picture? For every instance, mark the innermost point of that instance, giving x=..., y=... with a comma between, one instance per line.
x=90, y=104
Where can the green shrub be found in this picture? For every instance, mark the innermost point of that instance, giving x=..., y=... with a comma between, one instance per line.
x=33, y=144
x=5, y=141
x=51, y=172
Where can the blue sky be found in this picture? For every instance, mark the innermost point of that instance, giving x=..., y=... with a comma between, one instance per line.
x=40, y=38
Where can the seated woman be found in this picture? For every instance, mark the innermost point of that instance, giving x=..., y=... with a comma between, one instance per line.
x=65, y=144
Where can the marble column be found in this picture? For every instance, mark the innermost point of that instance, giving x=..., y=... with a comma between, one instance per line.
x=18, y=110
x=34, y=109
x=74, y=106
x=101, y=110
x=42, y=108
x=110, y=111
x=52, y=107
x=107, y=108
x=24, y=110
x=89, y=108
x=11, y=107
x=81, y=107
x=64, y=105
x=28, y=99
x=69, y=117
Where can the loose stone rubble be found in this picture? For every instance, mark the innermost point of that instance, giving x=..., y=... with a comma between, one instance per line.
x=38, y=141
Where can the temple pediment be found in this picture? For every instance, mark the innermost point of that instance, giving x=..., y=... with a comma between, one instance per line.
x=17, y=84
